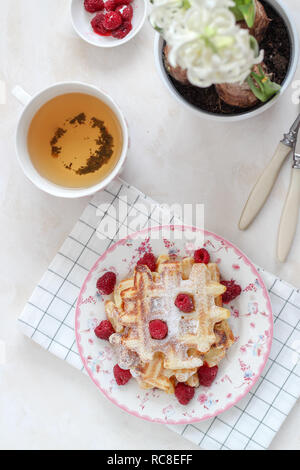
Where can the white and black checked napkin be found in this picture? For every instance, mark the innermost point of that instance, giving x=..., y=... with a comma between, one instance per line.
x=48, y=318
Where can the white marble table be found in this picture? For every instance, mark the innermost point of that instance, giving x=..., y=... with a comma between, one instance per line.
x=174, y=156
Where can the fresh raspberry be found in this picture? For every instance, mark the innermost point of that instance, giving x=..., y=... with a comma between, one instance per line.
x=233, y=291
x=201, y=256
x=207, y=375
x=158, y=329
x=123, y=30
x=126, y=11
x=110, y=5
x=93, y=5
x=97, y=25
x=104, y=330
x=122, y=376
x=112, y=20
x=184, y=393
x=106, y=283
x=185, y=303
x=148, y=260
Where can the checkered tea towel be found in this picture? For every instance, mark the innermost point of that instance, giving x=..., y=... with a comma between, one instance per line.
x=48, y=318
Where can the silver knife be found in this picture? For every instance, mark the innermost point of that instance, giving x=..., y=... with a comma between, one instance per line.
x=265, y=182
x=290, y=213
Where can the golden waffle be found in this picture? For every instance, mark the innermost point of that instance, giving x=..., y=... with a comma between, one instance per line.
x=223, y=332
x=150, y=299
x=225, y=339
x=113, y=315
x=113, y=309
x=153, y=374
x=224, y=336
x=193, y=381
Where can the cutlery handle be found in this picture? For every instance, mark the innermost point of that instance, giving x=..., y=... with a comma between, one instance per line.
x=263, y=186
x=289, y=217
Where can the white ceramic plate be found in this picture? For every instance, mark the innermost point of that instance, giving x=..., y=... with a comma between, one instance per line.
x=251, y=322
x=81, y=20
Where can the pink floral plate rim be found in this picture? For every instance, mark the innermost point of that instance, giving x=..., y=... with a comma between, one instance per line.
x=238, y=252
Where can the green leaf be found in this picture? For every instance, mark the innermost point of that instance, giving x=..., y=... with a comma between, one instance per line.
x=244, y=10
x=254, y=45
x=158, y=29
x=261, y=86
x=186, y=4
x=237, y=13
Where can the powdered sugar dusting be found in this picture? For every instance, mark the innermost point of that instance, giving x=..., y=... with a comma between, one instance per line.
x=152, y=299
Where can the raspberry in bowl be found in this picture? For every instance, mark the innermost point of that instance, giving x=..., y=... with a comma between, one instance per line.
x=108, y=23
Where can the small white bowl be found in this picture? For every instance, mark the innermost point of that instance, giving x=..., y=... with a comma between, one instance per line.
x=81, y=21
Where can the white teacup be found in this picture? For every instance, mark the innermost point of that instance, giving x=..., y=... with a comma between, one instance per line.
x=32, y=105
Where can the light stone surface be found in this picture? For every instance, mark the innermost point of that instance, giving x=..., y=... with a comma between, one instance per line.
x=174, y=157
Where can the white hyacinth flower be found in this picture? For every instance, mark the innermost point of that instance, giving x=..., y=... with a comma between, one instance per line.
x=205, y=39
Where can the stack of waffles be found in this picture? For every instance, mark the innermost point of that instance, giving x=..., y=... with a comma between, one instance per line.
x=202, y=336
